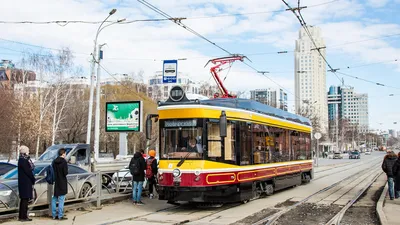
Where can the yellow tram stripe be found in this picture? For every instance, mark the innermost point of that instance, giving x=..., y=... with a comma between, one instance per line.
x=189, y=113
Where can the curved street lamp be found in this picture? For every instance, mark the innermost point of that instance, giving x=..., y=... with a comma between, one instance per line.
x=89, y=126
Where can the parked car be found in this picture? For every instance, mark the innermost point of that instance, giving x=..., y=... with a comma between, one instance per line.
x=354, y=155
x=80, y=183
x=5, y=167
x=337, y=155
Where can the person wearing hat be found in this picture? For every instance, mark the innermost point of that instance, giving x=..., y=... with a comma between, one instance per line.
x=26, y=180
x=151, y=171
x=387, y=167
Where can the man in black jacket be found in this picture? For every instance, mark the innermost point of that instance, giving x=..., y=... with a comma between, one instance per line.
x=137, y=167
x=26, y=180
x=387, y=167
x=60, y=167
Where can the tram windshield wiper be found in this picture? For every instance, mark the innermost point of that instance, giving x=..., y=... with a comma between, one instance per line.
x=183, y=159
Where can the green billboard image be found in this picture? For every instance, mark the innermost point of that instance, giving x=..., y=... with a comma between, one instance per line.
x=124, y=116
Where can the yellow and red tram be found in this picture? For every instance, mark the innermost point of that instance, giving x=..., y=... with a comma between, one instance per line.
x=228, y=149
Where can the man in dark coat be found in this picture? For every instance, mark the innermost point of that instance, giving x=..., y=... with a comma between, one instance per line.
x=151, y=172
x=60, y=167
x=26, y=180
x=396, y=173
x=387, y=167
x=137, y=167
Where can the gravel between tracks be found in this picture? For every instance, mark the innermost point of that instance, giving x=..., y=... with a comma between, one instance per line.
x=309, y=214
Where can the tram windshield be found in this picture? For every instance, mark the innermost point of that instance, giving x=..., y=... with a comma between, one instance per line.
x=182, y=138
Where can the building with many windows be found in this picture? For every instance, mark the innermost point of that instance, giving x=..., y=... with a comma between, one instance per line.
x=159, y=91
x=345, y=103
x=310, y=75
x=274, y=97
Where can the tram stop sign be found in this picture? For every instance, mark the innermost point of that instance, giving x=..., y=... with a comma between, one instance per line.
x=317, y=135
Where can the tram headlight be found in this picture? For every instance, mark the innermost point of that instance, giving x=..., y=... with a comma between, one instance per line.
x=197, y=172
x=176, y=172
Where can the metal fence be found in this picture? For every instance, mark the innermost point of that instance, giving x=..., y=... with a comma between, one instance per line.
x=81, y=188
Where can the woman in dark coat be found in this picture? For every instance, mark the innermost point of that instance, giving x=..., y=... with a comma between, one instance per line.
x=396, y=173
x=26, y=180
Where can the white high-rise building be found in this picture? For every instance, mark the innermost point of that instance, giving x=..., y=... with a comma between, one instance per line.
x=310, y=76
x=355, y=108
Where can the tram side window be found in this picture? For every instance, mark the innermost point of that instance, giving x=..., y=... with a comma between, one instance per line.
x=279, y=150
x=245, y=144
x=230, y=143
x=214, y=140
x=303, y=146
x=295, y=145
x=308, y=146
x=259, y=139
x=270, y=143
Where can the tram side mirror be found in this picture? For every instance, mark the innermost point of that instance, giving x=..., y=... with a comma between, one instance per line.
x=222, y=125
x=148, y=127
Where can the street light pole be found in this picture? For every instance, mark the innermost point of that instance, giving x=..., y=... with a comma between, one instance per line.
x=94, y=54
x=97, y=114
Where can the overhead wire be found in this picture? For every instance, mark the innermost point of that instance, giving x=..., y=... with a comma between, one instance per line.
x=304, y=25
x=66, y=22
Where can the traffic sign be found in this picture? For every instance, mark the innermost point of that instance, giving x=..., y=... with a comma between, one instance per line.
x=317, y=135
x=170, y=71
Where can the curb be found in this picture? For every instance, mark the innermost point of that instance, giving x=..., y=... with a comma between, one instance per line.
x=379, y=207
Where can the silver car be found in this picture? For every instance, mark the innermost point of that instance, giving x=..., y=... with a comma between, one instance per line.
x=80, y=183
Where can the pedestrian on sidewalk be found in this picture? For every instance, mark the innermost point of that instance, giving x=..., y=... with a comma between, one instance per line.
x=387, y=167
x=26, y=180
x=137, y=167
x=151, y=172
x=60, y=167
x=396, y=173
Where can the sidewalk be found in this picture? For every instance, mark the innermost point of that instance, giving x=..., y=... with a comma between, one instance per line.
x=391, y=210
x=109, y=214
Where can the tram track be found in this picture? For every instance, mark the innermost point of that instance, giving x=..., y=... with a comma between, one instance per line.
x=339, y=216
x=361, y=163
x=272, y=219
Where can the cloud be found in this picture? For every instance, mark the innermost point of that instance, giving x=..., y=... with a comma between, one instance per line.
x=377, y=3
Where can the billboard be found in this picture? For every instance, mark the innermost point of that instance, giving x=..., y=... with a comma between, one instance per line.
x=170, y=71
x=124, y=116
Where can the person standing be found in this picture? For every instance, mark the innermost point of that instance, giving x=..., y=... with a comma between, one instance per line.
x=387, y=167
x=151, y=172
x=396, y=173
x=137, y=167
x=26, y=180
x=60, y=167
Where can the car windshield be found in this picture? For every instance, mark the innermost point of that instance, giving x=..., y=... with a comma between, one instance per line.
x=13, y=174
x=52, y=153
x=354, y=153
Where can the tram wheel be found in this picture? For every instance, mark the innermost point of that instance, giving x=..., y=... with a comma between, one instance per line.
x=245, y=201
x=269, y=189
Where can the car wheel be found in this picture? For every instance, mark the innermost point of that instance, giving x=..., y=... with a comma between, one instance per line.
x=85, y=191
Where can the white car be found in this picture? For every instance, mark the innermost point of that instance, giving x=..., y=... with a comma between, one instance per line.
x=367, y=153
x=123, y=179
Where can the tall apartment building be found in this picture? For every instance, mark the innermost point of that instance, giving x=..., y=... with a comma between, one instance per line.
x=344, y=103
x=310, y=76
x=274, y=97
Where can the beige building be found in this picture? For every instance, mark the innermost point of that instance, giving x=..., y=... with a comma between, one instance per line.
x=310, y=76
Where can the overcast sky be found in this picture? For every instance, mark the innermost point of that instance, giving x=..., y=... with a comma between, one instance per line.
x=362, y=35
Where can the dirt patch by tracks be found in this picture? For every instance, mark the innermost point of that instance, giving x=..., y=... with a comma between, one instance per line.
x=309, y=214
x=255, y=217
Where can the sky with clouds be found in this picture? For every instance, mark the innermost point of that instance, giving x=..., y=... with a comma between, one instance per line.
x=362, y=39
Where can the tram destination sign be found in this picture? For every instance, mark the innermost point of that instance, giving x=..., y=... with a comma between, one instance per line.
x=180, y=123
x=124, y=116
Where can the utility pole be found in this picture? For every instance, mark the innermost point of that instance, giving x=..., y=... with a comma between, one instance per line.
x=97, y=114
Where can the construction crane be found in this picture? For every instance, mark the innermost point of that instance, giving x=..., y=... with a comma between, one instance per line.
x=218, y=62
